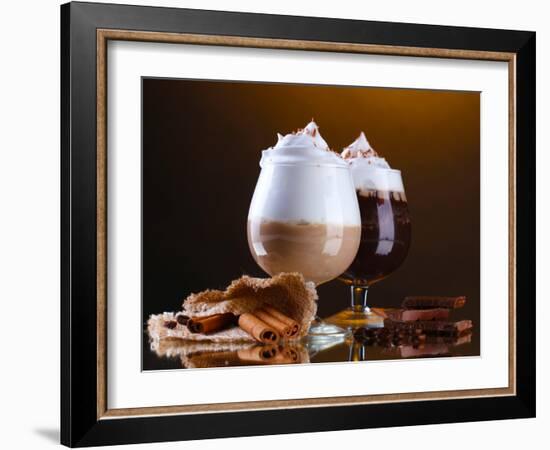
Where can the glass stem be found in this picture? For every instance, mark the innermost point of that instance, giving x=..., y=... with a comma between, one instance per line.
x=359, y=299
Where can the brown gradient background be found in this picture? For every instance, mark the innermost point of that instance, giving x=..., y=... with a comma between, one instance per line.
x=201, y=148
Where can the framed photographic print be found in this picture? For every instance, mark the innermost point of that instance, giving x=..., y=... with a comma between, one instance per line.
x=276, y=224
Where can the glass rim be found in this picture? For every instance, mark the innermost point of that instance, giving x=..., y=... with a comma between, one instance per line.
x=385, y=169
x=328, y=164
x=306, y=164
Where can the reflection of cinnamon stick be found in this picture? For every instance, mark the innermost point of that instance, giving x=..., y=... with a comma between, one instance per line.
x=428, y=302
x=258, y=354
x=258, y=329
x=289, y=353
x=210, y=324
x=201, y=360
x=292, y=327
x=281, y=358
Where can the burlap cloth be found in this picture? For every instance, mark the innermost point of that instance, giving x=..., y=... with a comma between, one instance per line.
x=286, y=292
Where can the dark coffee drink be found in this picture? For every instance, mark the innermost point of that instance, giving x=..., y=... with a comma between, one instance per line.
x=385, y=237
x=385, y=231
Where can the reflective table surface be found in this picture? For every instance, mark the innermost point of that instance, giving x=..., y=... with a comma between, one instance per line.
x=170, y=354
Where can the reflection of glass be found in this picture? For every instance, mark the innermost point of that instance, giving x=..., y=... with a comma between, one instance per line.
x=357, y=352
x=305, y=218
x=385, y=240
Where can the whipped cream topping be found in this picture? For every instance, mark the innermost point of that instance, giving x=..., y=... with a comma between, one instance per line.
x=370, y=171
x=361, y=152
x=305, y=146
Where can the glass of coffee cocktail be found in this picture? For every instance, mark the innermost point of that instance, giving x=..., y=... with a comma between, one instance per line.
x=385, y=230
x=304, y=214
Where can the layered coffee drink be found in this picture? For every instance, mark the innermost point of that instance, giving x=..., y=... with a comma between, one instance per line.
x=385, y=220
x=304, y=215
x=319, y=251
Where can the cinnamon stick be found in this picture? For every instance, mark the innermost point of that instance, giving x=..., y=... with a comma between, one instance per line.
x=182, y=319
x=210, y=324
x=292, y=326
x=258, y=329
x=428, y=302
x=272, y=321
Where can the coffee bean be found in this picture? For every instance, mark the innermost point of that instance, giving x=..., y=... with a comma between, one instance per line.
x=170, y=324
x=381, y=333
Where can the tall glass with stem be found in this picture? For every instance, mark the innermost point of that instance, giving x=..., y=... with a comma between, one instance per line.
x=304, y=215
x=385, y=240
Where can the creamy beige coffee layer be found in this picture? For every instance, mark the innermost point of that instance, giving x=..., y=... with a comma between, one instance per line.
x=320, y=252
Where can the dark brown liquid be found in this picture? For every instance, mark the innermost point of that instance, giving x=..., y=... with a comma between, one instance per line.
x=385, y=237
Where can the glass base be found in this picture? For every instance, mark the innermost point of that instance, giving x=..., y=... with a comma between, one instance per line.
x=319, y=329
x=319, y=343
x=351, y=319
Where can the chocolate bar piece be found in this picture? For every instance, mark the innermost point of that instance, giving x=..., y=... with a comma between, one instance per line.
x=430, y=327
x=409, y=315
x=430, y=302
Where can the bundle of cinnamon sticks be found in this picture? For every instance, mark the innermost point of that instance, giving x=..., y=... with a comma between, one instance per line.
x=266, y=324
